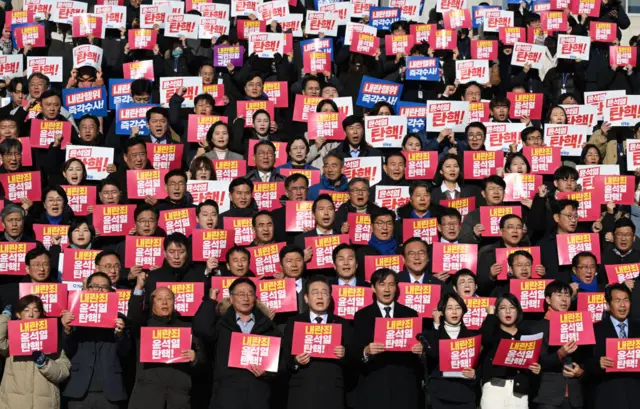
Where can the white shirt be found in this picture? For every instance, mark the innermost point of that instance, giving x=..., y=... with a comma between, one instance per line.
x=321, y=233
x=264, y=176
x=299, y=285
x=313, y=316
x=443, y=240
x=220, y=154
x=350, y=283
x=382, y=309
x=416, y=280
x=444, y=189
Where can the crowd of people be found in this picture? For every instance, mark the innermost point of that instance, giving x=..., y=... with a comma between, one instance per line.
x=102, y=367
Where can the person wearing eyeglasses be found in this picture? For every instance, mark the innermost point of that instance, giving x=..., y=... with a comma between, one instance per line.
x=417, y=269
x=38, y=266
x=359, y=202
x=520, y=267
x=382, y=240
x=214, y=324
x=109, y=263
x=264, y=155
x=584, y=268
x=296, y=186
x=134, y=157
x=511, y=235
x=623, y=250
x=96, y=355
x=565, y=216
x=307, y=376
x=175, y=183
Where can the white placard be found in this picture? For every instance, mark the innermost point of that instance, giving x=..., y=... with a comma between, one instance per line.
x=472, y=71
x=95, y=159
x=318, y=22
x=169, y=86
x=447, y=114
x=113, y=16
x=11, y=66
x=49, y=66
x=212, y=28
x=182, y=25
x=63, y=11
x=568, y=137
x=524, y=53
x=87, y=56
x=266, y=45
x=385, y=131
x=573, y=47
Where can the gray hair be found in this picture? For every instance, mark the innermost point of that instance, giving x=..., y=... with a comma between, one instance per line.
x=11, y=208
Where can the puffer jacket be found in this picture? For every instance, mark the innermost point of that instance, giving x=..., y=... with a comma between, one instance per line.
x=26, y=386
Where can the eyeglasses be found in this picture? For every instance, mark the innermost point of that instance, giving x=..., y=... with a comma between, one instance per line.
x=266, y=154
x=523, y=265
x=507, y=308
x=98, y=287
x=110, y=193
x=176, y=184
x=512, y=227
x=316, y=293
x=244, y=295
x=449, y=224
x=414, y=254
x=39, y=266
x=298, y=188
x=383, y=224
x=13, y=154
x=475, y=137
x=358, y=191
x=624, y=235
x=147, y=221
x=111, y=266
x=570, y=216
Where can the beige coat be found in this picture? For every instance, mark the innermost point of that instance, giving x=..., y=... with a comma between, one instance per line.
x=608, y=149
x=24, y=385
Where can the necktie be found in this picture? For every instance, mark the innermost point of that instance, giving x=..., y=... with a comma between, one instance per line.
x=319, y=320
x=623, y=332
x=265, y=178
x=387, y=311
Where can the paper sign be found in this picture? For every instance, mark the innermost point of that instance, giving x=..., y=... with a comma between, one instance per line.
x=624, y=353
x=622, y=56
x=266, y=45
x=568, y=137
x=248, y=349
x=93, y=309
x=521, y=186
x=602, y=32
x=450, y=114
x=594, y=303
x=79, y=198
x=374, y=263
x=422, y=69
x=322, y=249
x=318, y=340
x=349, y=300
x=622, y=111
x=49, y=66
x=11, y=66
x=472, y=71
x=265, y=260
x=22, y=184
x=44, y=133
x=164, y=344
x=586, y=115
x=463, y=205
x=178, y=220
x=484, y=49
x=31, y=34
x=490, y=217
x=304, y=105
x=143, y=251
x=398, y=43
x=327, y=125
x=28, y=336
x=369, y=168
x=588, y=7
x=146, y=182
x=113, y=220
x=573, y=47
x=570, y=326
x=78, y=264
x=423, y=298
x=456, y=19
x=223, y=55
x=359, y=228
x=420, y=165
x=112, y=16
x=119, y=92
x=277, y=91
x=385, y=131
x=459, y=354
x=227, y=170
x=619, y=273
x=544, y=160
x=86, y=25
x=170, y=86
x=242, y=228
x=142, y=39
x=83, y=101
x=209, y=243
x=139, y=69
x=530, y=293
x=512, y=35
x=397, y=334
x=525, y=104
x=524, y=53
x=481, y=164
x=518, y=354
x=373, y=90
x=279, y=295
x=391, y=197
x=449, y=258
x=426, y=229
x=495, y=19
x=598, y=98
x=45, y=233
x=299, y=216
x=476, y=311
x=53, y=296
x=247, y=108
x=165, y=156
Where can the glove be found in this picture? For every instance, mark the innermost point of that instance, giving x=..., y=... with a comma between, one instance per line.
x=39, y=358
x=7, y=310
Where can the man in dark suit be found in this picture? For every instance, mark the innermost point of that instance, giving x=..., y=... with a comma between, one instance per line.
x=622, y=250
x=315, y=382
x=292, y=262
x=96, y=354
x=565, y=216
x=562, y=367
x=416, y=264
x=324, y=213
x=387, y=379
x=296, y=186
x=346, y=264
x=614, y=390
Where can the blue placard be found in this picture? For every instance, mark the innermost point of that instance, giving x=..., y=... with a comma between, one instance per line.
x=382, y=17
x=422, y=69
x=475, y=18
x=119, y=92
x=326, y=46
x=81, y=101
x=130, y=115
x=373, y=90
x=414, y=124
x=13, y=31
x=545, y=4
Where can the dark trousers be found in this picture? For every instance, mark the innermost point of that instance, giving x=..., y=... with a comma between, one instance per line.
x=93, y=400
x=565, y=405
x=149, y=395
x=443, y=404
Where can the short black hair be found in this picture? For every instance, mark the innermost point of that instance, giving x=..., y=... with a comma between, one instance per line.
x=608, y=292
x=58, y=189
x=382, y=212
x=442, y=304
x=448, y=212
x=102, y=275
x=204, y=97
x=512, y=257
x=174, y=173
x=556, y=287
x=106, y=253
x=135, y=141
x=9, y=144
x=513, y=300
x=321, y=197
x=145, y=207
x=478, y=125
x=316, y=279
x=93, y=118
x=157, y=110
x=309, y=78
x=624, y=222
x=242, y=280
x=208, y=202
x=414, y=240
x=511, y=156
x=50, y=93
x=178, y=239
x=496, y=180
x=240, y=182
x=565, y=172
x=351, y=120
x=560, y=205
x=462, y=273
x=418, y=184
x=528, y=131
x=290, y=248
x=259, y=213
x=381, y=274
x=504, y=219
x=238, y=249
x=78, y=221
x=141, y=86
x=583, y=254
x=294, y=177
x=339, y=248
x=35, y=252
x=263, y=143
